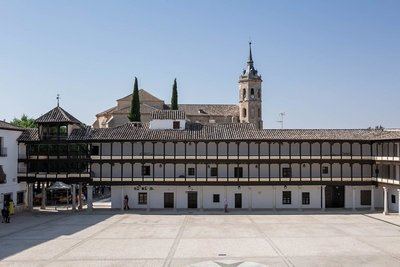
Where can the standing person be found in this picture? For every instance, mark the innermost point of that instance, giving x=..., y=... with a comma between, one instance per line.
x=4, y=214
x=126, y=202
x=7, y=214
x=11, y=207
x=226, y=205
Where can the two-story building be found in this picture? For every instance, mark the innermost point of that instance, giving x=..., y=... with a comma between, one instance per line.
x=176, y=160
x=10, y=188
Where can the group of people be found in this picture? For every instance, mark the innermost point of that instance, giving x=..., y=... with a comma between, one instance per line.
x=8, y=209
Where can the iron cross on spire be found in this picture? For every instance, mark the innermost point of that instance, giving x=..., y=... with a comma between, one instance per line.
x=58, y=100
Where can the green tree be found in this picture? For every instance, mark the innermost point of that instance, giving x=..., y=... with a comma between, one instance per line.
x=174, y=98
x=24, y=122
x=134, y=114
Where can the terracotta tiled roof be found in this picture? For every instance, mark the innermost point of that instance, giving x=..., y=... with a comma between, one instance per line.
x=168, y=115
x=222, y=132
x=29, y=135
x=8, y=126
x=57, y=114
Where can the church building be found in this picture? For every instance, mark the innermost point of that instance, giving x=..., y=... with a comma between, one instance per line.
x=247, y=110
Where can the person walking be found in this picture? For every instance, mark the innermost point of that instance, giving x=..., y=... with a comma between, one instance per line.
x=126, y=202
x=11, y=207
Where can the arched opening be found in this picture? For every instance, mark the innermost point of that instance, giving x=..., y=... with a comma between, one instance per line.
x=244, y=93
x=244, y=112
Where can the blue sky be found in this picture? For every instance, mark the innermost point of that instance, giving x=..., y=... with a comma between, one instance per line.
x=327, y=64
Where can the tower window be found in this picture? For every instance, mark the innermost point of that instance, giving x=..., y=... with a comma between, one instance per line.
x=252, y=91
x=244, y=93
x=244, y=113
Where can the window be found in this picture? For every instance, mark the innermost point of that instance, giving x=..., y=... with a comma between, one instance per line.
x=3, y=152
x=20, y=198
x=176, y=125
x=365, y=197
x=95, y=150
x=191, y=171
x=214, y=171
x=215, y=198
x=252, y=91
x=142, y=198
x=238, y=172
x=305, y=198
x=286, y=197
x=286, y=172
x=244, y=93
x=325, y=170
x=393, y=199
x=145, y=170
x=259, y=112
x=244, y=113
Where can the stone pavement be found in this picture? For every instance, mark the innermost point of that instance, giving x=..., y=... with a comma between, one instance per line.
x=183, y=238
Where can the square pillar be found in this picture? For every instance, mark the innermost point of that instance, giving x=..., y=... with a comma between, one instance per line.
x=73, y=189
x=323, y=198
x=353, y=194
x=43, y=204
x=299, y=192
x=30, y=197
x=80, y=203
x=372, y=198
x=122, y=198
x=176, y=198
x=148, y=199
x=250, y=198
x=201, y=198
x=398, y=198
x=274, y=200
x=89, y=197
x=385, y=201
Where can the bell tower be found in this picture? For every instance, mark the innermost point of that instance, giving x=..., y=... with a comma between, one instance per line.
x=250, y=108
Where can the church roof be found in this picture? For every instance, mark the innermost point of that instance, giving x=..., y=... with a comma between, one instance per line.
x=210, y=109
x=57, y=115
x=143, y=94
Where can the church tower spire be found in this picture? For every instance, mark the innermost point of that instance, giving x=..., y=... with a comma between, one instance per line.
x=250, y=103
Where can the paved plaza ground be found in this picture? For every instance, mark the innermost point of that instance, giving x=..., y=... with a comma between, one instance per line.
x=169, y=238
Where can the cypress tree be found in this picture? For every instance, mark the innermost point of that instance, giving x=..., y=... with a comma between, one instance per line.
x=134, y=114
x=174, y=98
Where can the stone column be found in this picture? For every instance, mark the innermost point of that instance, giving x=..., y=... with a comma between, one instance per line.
x=122, y=197
x=300, y=198
x=176, y=198
x=250, y=198
x=353, y=189
x=30, y=197
x=73, y=197
x=89, y=198
x=148, y=199
x=43, y=205
x=201, y=198
x=372, y=198
x=323, y=198
x=398, y=202
x=385, y=201
x=274, y=200
x=226, y=196
x=80, y=197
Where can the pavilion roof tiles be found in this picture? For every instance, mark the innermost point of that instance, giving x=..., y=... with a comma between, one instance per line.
x=57, y=115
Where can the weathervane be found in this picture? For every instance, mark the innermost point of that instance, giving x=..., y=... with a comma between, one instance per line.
x=58, y=100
